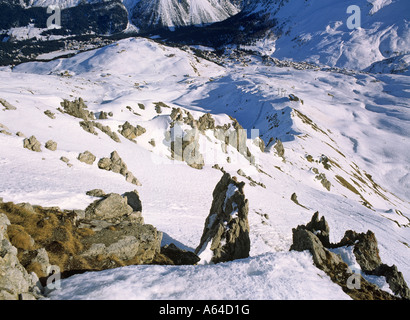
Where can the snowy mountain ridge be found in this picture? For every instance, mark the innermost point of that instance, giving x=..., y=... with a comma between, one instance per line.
x=167, y=13
x=316, y=31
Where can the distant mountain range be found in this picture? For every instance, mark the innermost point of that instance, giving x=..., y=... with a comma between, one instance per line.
x=299, y=30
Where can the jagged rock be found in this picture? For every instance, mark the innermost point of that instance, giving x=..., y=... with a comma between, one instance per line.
x=103, y=115
x=88, y=126
x=117, y=165
x=107, y=131
x=304, y=239
x=76, y=109
x=280, y=150
x=185, y=147
x=394, y=278
x=133, y=200
x=130, y=132
x=236, y=137
x=325, y=161
x=179, y=256
x=86, y=157
x=323, y=180
x=176, y=114
x=366, y=251
x=32, y=144
x=51, y=145
x=113, y=206
x=159, y=106
x=314, y=237
x=129, y=177
x=226, y=231
x=259, y=143
x=206, y=122
x=320, y=228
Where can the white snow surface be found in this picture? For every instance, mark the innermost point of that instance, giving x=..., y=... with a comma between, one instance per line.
x=359, y=121
x=278, y=276
x=317, y=31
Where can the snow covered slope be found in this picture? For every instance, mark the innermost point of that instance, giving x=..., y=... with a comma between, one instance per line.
x=317, y=31
x=351, y=128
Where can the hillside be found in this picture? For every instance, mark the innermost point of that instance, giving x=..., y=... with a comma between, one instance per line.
x=345, y=154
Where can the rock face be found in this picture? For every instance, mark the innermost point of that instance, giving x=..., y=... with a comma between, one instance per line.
x=32, y=144
x=314, y=237
x=226, y=232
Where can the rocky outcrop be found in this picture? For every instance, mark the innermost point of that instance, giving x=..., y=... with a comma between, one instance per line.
x=76, y=108
x=226, y=232
x=15, y=282
x=117, y=165
x=127, y=242
x=7, y=105
x=90, y=126
x=366, y=251
x=32, y=144
x=112, y=207
x=130, y=132
x=185, y=147
x=50, y=114
x=314, y=237
x=110, y=233
x=234, y=135
x=86, y=157
x=51, y=145
x=280, y=149
x=4, y=130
